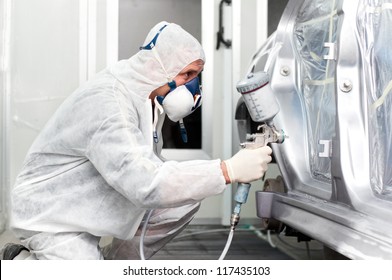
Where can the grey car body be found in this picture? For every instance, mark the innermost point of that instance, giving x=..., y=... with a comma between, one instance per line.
x=330, y=65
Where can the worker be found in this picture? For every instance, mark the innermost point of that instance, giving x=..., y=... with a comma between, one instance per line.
x=95, y=168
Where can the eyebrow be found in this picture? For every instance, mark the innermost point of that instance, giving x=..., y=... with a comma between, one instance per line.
x=198, y=66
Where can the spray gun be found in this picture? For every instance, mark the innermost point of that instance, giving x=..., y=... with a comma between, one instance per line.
x=266, y=135
x=262, y=107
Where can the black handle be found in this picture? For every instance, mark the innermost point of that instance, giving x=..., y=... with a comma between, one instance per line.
x=227, y=43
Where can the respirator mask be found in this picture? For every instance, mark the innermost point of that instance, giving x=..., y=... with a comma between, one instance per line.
x=181, y=101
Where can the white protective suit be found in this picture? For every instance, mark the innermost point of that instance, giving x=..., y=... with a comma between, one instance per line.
x=92, y=171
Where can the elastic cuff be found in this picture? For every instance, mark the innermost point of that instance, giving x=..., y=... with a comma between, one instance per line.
x=229, y=170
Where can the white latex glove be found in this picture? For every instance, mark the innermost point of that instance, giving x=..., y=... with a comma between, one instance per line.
x=248, y=164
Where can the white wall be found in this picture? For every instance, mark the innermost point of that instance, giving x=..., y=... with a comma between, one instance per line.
x=43, y=69
x=212, y=208
x=49, y=48
x=3, y=19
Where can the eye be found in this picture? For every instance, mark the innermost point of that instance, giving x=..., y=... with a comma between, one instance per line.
x=190, y=75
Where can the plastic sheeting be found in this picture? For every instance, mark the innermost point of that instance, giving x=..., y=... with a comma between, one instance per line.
x=374, y=21
x=316, y=25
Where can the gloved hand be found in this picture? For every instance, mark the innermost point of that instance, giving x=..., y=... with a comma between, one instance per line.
x=248, y=164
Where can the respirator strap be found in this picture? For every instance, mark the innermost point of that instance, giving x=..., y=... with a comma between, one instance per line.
x=157, y=109
x=184, y=134
x=172, y=85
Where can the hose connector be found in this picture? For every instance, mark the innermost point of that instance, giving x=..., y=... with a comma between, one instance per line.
x=235, y=217
x=240, y=197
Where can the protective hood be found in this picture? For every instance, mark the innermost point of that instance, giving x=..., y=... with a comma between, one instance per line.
x=143, y=73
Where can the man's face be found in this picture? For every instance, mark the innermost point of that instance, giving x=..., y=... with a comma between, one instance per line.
x=187, y=74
